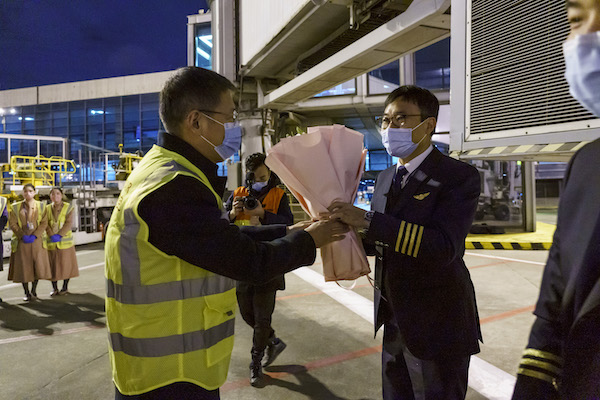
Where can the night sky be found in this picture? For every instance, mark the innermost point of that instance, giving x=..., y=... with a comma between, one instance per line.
x=55, y=41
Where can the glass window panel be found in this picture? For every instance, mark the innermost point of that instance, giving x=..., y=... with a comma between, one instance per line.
x=49, y=149
x=203, y=43
x=432, y=65
x=384, y=79
x=378, y=160
x=28, y=120
x=43, y=120
x=132, y=128
x=340, y=90
x=150, y=120
x=113, y=123
x=23, y=147
x=11, y=121
x=60, y=119
x=4, y=151
x=95, y=123
x=76, y=128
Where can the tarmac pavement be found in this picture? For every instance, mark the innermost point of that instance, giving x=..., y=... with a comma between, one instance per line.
x=56, y=348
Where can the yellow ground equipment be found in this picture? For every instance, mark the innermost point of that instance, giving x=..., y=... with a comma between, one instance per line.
x=127, y=162
x=39, y=170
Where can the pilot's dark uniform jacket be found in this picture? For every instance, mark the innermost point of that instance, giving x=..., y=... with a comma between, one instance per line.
x=424, y=294
x=184, y=237
x=562, y=358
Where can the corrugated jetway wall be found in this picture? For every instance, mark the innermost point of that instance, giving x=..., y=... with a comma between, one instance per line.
x=509, y=97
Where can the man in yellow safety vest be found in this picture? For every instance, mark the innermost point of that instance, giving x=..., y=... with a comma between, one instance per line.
x=172, y=255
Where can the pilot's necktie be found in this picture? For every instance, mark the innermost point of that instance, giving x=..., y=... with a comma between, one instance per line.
x=397, y=182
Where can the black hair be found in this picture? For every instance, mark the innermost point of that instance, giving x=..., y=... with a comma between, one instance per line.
x=254, y=161
x=187, y=89
x=428, y=104
x=57, y=188
x=28, y=184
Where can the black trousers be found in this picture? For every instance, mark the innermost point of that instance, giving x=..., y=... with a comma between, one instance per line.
x=406, y=377
x=174, y=391
x=256, y=306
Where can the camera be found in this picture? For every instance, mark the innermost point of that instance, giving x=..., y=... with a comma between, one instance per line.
x=250, y=202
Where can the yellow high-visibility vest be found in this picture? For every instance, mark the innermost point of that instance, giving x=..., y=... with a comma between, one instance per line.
x=168, y=320
x=16, y=209
x=67, y=240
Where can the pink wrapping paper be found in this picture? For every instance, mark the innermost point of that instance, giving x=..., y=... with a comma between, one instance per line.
x=319, y=168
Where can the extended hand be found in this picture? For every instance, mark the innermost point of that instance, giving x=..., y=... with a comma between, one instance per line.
x=237, y=208
x=55, y=238
x=348, y=214
x=300, y=225
x=325, y=232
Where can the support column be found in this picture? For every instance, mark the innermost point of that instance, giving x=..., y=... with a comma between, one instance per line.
x=529, y=196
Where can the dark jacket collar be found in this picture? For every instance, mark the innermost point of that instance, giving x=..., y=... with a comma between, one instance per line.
x=179, y=146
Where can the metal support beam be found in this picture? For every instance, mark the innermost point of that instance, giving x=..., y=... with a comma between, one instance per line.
x=529, y=196
x=422, y=24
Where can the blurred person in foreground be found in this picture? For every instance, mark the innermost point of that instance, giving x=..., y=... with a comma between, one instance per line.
x=422, y=210
x=260, y=202
x=172, y=254
x=562, y=358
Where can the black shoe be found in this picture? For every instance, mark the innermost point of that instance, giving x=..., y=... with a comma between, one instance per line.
x=256, y=375
x=273, y=350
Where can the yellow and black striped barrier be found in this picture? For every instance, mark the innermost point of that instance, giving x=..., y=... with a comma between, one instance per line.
x=471, y=245
x=541, y=239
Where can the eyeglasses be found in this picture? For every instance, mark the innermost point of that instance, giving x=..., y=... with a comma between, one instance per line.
x=397, y=119
x=231, y=117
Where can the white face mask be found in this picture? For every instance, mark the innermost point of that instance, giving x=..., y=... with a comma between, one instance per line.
x=582, y=58
x=398, y=141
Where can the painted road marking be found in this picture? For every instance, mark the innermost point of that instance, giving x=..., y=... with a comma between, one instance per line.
x=486, y=379
x=505, y=258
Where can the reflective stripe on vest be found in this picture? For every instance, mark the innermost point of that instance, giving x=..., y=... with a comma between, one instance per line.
x=164, y=346
x=67, y=240
x=168, y=321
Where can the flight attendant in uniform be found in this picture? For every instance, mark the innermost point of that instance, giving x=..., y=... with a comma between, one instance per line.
x=257, y=301
x=59, y=242
x=29, y=259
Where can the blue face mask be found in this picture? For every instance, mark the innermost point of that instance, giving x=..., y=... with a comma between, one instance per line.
x=231, y=141
x=398, y=141
x=582, y=58
x=258, y=186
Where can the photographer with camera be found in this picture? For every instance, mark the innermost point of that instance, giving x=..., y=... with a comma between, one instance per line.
x=260, y=202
